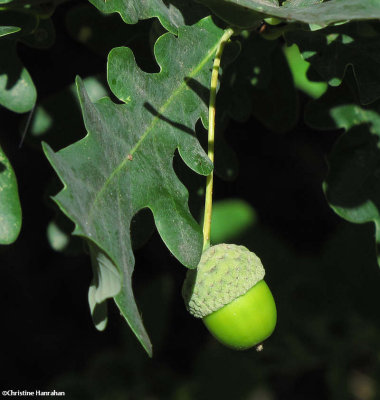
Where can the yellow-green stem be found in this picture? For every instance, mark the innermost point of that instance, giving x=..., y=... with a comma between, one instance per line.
x=211, y=135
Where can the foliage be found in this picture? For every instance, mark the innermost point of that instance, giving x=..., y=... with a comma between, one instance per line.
x=146, y=120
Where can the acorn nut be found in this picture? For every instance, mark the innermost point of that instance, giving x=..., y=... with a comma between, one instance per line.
x=228, y=292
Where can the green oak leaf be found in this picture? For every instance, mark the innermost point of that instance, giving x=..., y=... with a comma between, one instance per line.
x=332, y=50
x=125, y=163
x=352, y=187
x=172, y=14
x=320, y=14
x=10, y=208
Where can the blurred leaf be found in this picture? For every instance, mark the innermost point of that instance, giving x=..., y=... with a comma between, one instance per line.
x=7, y=30
x=172, y=14
x=101, y=32
x=42, y=37
x=124, y=164
x=57, y=119
x=230, y=220
x=299, y=68
x=332, y=50
x=57, y=238
x=10, y=208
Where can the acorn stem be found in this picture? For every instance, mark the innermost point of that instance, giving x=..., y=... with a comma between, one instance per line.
x=211, y=135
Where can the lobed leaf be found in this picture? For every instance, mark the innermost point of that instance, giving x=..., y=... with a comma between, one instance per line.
x=125, y=163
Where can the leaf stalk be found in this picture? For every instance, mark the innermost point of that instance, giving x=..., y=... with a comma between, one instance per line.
x=211, y=136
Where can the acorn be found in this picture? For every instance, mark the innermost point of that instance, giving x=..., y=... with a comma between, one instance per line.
x=228, y=292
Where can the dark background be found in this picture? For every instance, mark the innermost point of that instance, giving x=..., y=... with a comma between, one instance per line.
x=322, y=271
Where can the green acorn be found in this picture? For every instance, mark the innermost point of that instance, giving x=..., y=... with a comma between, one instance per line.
x=228, y=292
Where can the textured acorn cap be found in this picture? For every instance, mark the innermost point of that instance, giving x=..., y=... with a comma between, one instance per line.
x=225, y=272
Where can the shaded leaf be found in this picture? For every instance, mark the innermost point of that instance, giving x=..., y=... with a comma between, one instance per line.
x=260, y=83
x=352, y=186
x=332, y=50
x=10, y=208
x=124, y=164
x=276, y=106
x=253, y=70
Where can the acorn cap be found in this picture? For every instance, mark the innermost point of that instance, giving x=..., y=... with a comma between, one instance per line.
x=225, y=272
